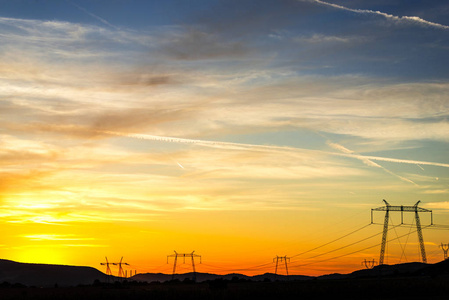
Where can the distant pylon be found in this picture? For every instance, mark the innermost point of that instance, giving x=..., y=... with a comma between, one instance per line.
x=369, y=264
x=121, y=273
x=387, y=208
x=108, y=270
x=184, y=255
x=445, y=248
x=281, y=259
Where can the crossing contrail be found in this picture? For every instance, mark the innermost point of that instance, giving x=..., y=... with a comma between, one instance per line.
x=266, y=148
x=413, y=19
x=368, y=161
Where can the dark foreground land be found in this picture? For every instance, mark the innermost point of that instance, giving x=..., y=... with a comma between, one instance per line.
x=368, y=288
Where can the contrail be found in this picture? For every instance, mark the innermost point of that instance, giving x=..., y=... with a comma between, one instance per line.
x=93, y=15
x=368, y=162
x=387, y=16
x=266, y=148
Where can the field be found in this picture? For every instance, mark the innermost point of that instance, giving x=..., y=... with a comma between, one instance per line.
x=377, y=288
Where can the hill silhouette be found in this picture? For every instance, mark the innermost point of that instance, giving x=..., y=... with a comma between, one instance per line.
x=45, y=275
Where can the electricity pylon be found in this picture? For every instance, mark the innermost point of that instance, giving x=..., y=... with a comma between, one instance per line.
x=108, y=270
x=281, y=259
x=369, y=264
x=387, y=208
x=445, y=248
x=121, y=273
x=184, y=255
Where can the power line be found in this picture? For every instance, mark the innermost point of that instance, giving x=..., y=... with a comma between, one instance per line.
x=346, y=246
x=348, y=234
x=354, y=252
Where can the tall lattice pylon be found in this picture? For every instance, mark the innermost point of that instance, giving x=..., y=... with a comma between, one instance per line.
x=390, y=208
x=280, y=259
x=445, y=248
x=184, y=255
x=108, y=269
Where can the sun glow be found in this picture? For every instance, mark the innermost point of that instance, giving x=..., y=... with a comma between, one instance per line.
x=40, y=254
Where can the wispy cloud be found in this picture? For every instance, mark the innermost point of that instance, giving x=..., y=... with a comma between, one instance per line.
x=330, y=39
x=56, y=237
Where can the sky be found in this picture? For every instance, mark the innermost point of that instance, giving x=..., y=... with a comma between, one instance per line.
x=241, y=130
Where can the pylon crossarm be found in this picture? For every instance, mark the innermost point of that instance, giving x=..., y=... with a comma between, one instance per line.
x=401, y=208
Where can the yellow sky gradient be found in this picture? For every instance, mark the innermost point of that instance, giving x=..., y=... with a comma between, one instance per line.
x=239, y=142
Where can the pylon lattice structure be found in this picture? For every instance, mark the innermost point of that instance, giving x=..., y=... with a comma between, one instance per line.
x=121, y=273
x=184, y=255
x=280, y=259
x=389, y=208
x=445, y=248
x=108, y=269
x=369, y=264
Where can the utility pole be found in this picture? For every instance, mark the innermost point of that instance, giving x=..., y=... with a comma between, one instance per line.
x=121, y=273
x=369, y=264
x=280, y=259
x=390, y=208
x=184, y=255
x=445, y=248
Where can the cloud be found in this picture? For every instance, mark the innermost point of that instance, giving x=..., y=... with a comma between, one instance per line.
x=199, y=45
x=55, y=237
x=330, y=39
x=439, y=205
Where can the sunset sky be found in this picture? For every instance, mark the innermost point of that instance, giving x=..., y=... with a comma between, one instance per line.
x=240, y=130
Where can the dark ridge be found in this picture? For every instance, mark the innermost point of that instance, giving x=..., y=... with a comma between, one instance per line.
x=44, y=275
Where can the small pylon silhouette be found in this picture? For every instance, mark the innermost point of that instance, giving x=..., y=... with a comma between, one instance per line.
x=121, y=273
x=445, y=248
x=369, y=264
x=184, y=255
x=281, y=259
x=108, y=269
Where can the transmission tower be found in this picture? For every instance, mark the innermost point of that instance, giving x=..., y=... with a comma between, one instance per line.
x=107, y=263
x=369, y=264
x=280, y=259
x=445, y=248
x=184, y=255
x=121, y=273
x=388, y=208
